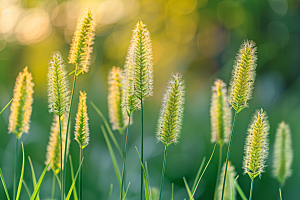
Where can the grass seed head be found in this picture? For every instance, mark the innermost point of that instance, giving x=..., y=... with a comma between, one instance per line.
x=229, y=191
x=220, y=113
x=257, y=145
x=283, y=153
x=171, y=112
x=58, y=85
x=20, y=110
x=83, y=39
x=82, y=125
x=243, y=76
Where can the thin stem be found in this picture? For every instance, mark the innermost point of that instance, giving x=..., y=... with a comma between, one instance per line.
x=219, y=169
x=61, y=161
x=163, y=172
x=80, y=174
x=228, y=154
x=16, y=166
x=124, y=161
x=142, y=146
x=251, y=189
x=280, y=195
x=53, y=186
x=68, y=125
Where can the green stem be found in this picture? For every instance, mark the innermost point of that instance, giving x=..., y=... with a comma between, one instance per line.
x=124, y=162
x=61, y=161
x=251, y=189
x=219, y=170
x=163, y=172
x=16, y=166
x=53, y=186
x=228, y=154
x=67, y=131
x=142, y=146
x=280, y=195
x=80, y=174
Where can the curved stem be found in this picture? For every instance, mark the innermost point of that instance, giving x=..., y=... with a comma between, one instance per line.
x=219, y=170
x=16, y=166
x=251, y=189
x=228, y=154
x=53, y=186
x=124, y=162
x=163, y=172
x=142, y=146
x=80, y=174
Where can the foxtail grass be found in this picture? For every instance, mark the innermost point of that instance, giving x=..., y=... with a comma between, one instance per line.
x=241, y=86
x=256, y=147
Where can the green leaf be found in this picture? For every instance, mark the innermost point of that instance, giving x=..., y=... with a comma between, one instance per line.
x=110, y=191
x=108, y=129
x=38, y=185
x=198, y=175
x=126, y=191
x=74, y=181
x=26, y=188
x=33, y=176
x=240, y=191
x=6, y=106
x=72, y=175
x=145, y=177
x=21, y=178
x=188, y=189
x=280, y=194
x=112, y=155
x=4, y=185
x=172, y=191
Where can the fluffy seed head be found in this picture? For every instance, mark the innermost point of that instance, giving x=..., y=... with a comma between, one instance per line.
x=117, y=115
x=58, y=86
x=220, y=113
x=53, y=148
x=257, y=145
x=20, y=109
x=243, y=76
x=83, y=39
x=230, y=190
x=82, y=125
x=283, y=153
x=138, y=82
x=171, y=112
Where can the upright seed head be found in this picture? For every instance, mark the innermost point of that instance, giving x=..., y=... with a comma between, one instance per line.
x=257, y=145
x=171, y=111
x=53, y=148
x=82, y=125
x=20, y=109
x=243, y=76
x=283, y=153
x=230, y=190
x=138, y=82
x=82, y=42
x=58, y=85
x=117, y=114
x=220, y=113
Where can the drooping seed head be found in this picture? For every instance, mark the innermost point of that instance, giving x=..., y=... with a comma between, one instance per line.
x=53, y=148
x=220, y=113
x=58, y=85
x=82, y=125
x=138, y=82
x=171, y=111
x=243, y=76
x=117, y=114
x=230, y=190
x=20, y=109
x=257, y=145
x=283, y=153
x=83, y=39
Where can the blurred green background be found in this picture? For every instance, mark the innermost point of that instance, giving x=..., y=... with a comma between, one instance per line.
x=196, y=38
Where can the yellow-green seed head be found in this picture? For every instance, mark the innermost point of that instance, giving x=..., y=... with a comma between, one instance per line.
x=138, y=82
x=82, y=125
x=83, y=39
x=171, y=111
x=220, y=113
x=58, y=85
x=117, y=115
x=283, y=153
x=257, y=145
x=230, y=190
x=20, y=109
x=53, y=148
x=243, y=76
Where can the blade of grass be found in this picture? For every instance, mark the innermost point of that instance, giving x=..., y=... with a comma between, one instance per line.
x=57, y=178
x=4, y=185
x=126, y=191
x=72, y=175
x=26, y=188
x=188, y=189
x=33, y=176
x=239, y=189
x=145, y=177
x=108, y=128
x=198, y=174
x=110, y=191
x=6, y=106
x=172, y=191
x=74, y=181
x=22, y=174
x=280, y=194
